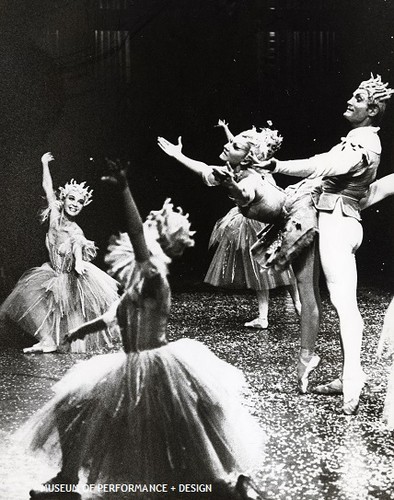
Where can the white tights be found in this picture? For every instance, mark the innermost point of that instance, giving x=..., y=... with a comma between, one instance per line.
x=340, y=237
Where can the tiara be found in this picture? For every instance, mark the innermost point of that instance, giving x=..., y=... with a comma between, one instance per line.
x=264, y=142
x=173, y=225
x=81, y=189
x=376, y=89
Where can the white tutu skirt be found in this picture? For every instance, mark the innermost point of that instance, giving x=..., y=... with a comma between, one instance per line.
x=170, y=414
x=47, y=304
x=232, y=264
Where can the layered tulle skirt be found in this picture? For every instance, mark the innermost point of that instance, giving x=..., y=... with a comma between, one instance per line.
x=170, y=414
x=232, y=265
x=47, y=304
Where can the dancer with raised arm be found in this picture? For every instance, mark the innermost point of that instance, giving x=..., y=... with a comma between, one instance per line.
x=69, y=290
x=257, y=198
x=158, y=412
x=232, y=265
x=347, y=170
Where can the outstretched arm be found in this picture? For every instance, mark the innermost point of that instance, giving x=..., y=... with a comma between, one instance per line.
x=95, y=325
x=378, y=191
x=118, y=177
x=175, y=150
x=224, y=126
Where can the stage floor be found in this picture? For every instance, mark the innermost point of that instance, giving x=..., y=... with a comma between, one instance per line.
x=313, y=451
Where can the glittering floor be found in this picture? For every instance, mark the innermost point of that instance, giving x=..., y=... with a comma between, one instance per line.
x=312, y=452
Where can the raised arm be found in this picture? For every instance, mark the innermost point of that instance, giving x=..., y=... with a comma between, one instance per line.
x=134, y=226
x=175, y=151
x=224, y=126
x=378, y=191
x=47, y=183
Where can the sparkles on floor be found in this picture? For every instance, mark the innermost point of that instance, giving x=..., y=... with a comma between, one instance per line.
x=313, y=451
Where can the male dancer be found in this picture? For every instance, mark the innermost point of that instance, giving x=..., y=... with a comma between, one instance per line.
x=347, y=170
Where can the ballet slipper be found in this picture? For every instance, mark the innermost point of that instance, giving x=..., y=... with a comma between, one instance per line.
x=351, y=395
x=304, y=369
x=40, y=348
x=257, y=323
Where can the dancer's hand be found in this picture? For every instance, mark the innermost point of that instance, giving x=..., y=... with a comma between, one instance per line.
x=170, y=149
x=222, y=123
x=265, y=165
x=80, y=267
x=46, y=158
x=118, y=173
x=224, y=175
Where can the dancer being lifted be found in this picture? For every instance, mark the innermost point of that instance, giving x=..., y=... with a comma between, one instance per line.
x=69, y=290
x=259, y=199
x=158, y=412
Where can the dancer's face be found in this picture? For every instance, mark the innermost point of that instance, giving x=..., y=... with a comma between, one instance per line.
x=73, y=204
x=358, y=110
x=235, y=150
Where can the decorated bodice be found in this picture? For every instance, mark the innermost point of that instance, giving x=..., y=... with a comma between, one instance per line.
x=62, y=241
x=267, y=199
x=143, y=312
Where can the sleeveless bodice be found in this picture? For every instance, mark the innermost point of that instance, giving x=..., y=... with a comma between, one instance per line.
x=143, y=313
x=268, y=204
x=61, y=242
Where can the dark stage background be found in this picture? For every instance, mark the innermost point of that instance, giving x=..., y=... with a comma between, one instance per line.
x=86, y=79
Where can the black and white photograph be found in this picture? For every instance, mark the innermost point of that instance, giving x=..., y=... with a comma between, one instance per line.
x=196, y=249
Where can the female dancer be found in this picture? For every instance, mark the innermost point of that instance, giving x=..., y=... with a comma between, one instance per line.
x=62, y=294
x=158, y=412
x=292, y=210
x=232, y=264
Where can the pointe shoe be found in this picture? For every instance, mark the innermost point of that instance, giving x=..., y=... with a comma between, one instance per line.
x=351, y=407
x=351, y=397
x=247, y=489
x=304, y=369
x=40, y=348
x=330, y=389
x=257, y=323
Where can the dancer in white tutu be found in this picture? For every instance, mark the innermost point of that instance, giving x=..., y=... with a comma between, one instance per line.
x=50, y=300
x=378, y=191
x=233, y=235
x=158, y=412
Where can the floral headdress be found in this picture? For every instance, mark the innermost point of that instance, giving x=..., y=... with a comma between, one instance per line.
x=81, y=189
x=264, y=142
x=72, y=186
x=378, y=92
x=173, y=227
x=162, y=230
